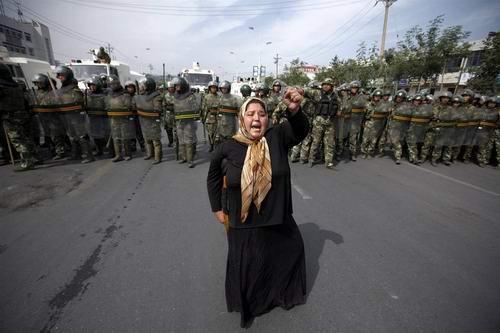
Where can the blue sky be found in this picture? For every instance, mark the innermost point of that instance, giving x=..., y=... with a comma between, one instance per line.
x=314, y=30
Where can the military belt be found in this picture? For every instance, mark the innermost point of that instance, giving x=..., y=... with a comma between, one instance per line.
x=473, y=123
x=488, y=124
x=184, y=116
x=97, y=112
x=148, y=114
x=401, y=118
x=420, y=120
x=345, y=116
x=213, y=110
x=463, y=123
x=70, y=108
x=446, y=124
x=45, y=109
x=379, y=115
x=117, y=113
x=226, y=110
x=358, y=110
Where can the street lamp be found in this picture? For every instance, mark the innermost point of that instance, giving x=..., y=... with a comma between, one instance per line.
x=259, y=76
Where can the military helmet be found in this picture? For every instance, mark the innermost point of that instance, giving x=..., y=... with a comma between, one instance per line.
x=468, y=92
x=66, y=72
x=491, y=99
x=377, y=92
x=477, y=96
x=277, y=83
x=114, y=82
x=418, y=97
x=314, y=84
x=264, y=87
x=41, y=80
x=343, y=87
x=129, y=83
x=225, y=84
x=387, y=92
x=212, y=84
x=355, y=84
x=429, y=98
x=401, y=93
x=410, y=98
x=327, y=81
x=457, y=99
x=170, y=84
x=246, y=90
x=96, y=81
x=182, y=83
x=147, y=84
x=445, y=94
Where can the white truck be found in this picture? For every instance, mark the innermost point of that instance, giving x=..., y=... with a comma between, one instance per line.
x=25, y=69
x=198, y=78
x=85, y=69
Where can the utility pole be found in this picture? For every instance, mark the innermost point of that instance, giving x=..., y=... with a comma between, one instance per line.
x=387, y=3
x=2, y=9
x=19, y=12
x=110, y=49
x=276, y=61
x=164, y=82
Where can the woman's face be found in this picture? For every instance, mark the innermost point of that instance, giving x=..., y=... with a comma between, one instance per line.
x=255, y=120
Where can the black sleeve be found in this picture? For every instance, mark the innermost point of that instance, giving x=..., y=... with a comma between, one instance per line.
x=295, y=129
x=214, y=179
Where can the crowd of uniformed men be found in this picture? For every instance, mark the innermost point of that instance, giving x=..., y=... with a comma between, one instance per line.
x=108, y=118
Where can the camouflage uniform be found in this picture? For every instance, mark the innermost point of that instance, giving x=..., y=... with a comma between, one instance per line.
x=302, y=150
x=421, y=116
x=487, y=132
x=444, y=129
x=70, y=102
x=323, y=130
x=376, y=116
x=187, y=108
x=46, y=108
x=356, y=109
x=227, y=121
x=169, y=121
x=343, y=120
x=210, y=106
x=272, y=103
x=119, y=109
x=16, y=118
x=149, y=107
x=95, y=106
x=387, y=106
x=473, y=114
x=461, y=117
x=398, y=127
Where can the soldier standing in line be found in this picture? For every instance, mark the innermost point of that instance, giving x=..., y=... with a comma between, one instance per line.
x=122, y=120
x=169, y=121
x=149, y=106
x=16, y=119
x=357, y=109
x=471, y=112
x=187, y=108
x=342, y=122
x=387, y=105
x=229, y=106
x=443, y=127
x=421, y=116
x=275, y=97
x=46, y=109
x=486, y=136
x=70, y=101
x=301, y=151
x=209, y=109
x=95, y=105
x=245, y=91
x=376, y=116
x=131, y=88
x=399, y=124
x=323, y=129
x=461, y=118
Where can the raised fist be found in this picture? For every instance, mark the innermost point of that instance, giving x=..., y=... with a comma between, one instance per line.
x=292, y=98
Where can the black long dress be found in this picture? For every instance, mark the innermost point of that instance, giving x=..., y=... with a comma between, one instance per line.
x=266, y=260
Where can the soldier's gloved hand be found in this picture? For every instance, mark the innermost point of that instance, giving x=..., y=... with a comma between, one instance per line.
x=292, y=99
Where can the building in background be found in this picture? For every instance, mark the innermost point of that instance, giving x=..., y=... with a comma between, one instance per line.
x=309, y=70
x=26, y=39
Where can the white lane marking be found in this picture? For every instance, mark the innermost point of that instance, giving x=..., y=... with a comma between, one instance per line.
x=301, y=191
x=458, y=181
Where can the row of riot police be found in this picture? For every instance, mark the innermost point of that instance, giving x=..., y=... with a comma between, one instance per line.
x=447, y=129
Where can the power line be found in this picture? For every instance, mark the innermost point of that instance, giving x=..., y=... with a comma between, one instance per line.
x=225, y=12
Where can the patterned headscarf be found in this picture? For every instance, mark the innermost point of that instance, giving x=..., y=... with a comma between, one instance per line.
x=256, y=175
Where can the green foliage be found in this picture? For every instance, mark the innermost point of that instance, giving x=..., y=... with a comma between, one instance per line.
x=268, y=80
x=484, y=80
x=292, y=75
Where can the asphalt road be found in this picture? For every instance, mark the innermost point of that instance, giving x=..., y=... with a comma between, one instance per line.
x=129, y=247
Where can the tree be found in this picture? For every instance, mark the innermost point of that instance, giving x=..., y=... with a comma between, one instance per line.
x=293, y=75
x=485, y=76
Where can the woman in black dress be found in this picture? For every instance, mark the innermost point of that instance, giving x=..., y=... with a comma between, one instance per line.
x=250, y=191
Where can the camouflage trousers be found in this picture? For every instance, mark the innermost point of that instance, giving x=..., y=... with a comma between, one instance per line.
x=302, y=150
x=373, y=134
x=468, y=153
x=20, y=137
x=211, y=129
x=186, y=132
x=485, y=150
x=323, y=131
x=446, y=153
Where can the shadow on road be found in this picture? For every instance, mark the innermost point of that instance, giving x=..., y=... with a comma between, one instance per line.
x=314, y=242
